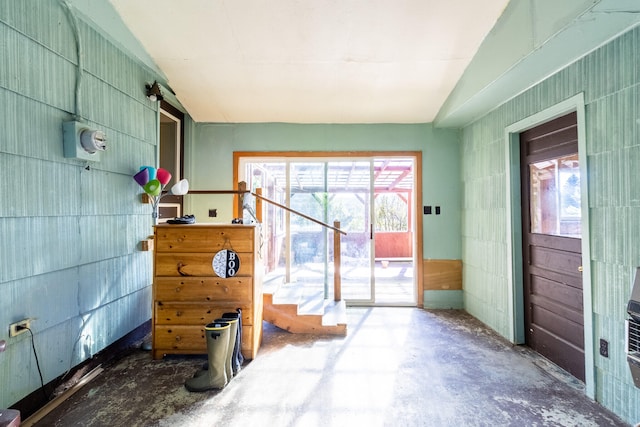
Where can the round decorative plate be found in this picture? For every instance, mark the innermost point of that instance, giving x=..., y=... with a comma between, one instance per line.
x=226, y=263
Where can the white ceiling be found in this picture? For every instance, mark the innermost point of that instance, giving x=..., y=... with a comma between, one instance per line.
x=322, y=61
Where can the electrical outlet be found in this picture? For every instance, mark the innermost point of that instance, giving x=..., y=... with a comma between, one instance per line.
x=604, y=348
x=19, y=327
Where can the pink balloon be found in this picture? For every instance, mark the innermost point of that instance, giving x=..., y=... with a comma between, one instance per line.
x=163, y=175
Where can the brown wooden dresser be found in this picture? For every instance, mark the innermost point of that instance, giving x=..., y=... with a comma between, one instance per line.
x=188, y=294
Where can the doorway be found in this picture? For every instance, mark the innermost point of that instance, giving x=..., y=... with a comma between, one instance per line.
x=373, y=198
x=551, y=233
x=170, y=157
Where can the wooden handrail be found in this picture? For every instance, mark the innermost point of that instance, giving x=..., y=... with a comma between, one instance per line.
x=217, y=192
x=337, y=275
x=242, y=189
x=337, y=278
x=300, y=214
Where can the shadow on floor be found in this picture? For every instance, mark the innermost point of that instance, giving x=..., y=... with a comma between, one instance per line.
x=396, y=367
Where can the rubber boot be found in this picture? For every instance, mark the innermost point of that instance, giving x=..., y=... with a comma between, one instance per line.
x=232, y=320
x=217, y=334
x=233, y=330
x=235, y=344
x=233, y=333
x=238, y=359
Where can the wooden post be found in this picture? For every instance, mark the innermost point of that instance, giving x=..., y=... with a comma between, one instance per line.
x=337, y=285
x=259, y=205
x=242, y=187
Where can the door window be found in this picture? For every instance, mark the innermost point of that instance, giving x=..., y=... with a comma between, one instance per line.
x=555, y=196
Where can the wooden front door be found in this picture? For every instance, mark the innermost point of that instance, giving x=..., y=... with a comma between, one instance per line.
x=551, y=232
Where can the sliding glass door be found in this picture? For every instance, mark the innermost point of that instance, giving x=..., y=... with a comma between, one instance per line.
x=349, y=201
x=368, y=196
x=337, y=190
x=309, y=257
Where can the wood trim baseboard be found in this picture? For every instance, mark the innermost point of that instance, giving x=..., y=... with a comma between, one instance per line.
x=442, y=274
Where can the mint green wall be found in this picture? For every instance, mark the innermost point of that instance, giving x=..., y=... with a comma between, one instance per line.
x=530, y=41
x=210, y=164
x=68, y=251
x=610, y=80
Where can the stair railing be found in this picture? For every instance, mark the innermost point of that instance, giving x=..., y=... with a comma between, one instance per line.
x=242, y=190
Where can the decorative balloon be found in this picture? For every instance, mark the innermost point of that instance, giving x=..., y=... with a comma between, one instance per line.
x=152, y=171
x=180, y=188
x=142, y=177
x=153, y=187
x=153, y=181
x=163, y=175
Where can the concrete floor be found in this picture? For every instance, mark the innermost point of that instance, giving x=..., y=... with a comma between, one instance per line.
x=396, y=367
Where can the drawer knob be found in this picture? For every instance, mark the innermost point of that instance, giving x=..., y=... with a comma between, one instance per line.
x=178, y=338
x=178, y=313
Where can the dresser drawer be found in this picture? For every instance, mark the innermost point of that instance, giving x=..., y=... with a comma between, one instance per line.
x=198, y=314
x=204, y=289
x=184, y=339
x=180, y=337
x=196, y=264
x=194, y=238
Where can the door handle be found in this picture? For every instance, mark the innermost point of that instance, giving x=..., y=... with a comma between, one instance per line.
x=580, y=269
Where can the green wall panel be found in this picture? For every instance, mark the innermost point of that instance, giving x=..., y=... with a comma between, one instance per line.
x=210, y=164
x=112, y=320
x=98, y=285
x=610, y=80
x=45, y=22
x=36, y=72
x=60, y=340
x=21, y=136
x=70, y=229
x=36, y=245
x=57, y=290
x=44, y=180
x=446, y=300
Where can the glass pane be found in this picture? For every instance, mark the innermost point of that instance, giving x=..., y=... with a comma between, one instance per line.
x=392, y=212
x=393, y=225
x=308, y=239
x=349, y=200
x=270, y=177
x=555, y=196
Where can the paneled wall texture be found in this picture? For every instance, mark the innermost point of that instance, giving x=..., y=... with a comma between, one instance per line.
x=610, y=80
x=69, y=229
